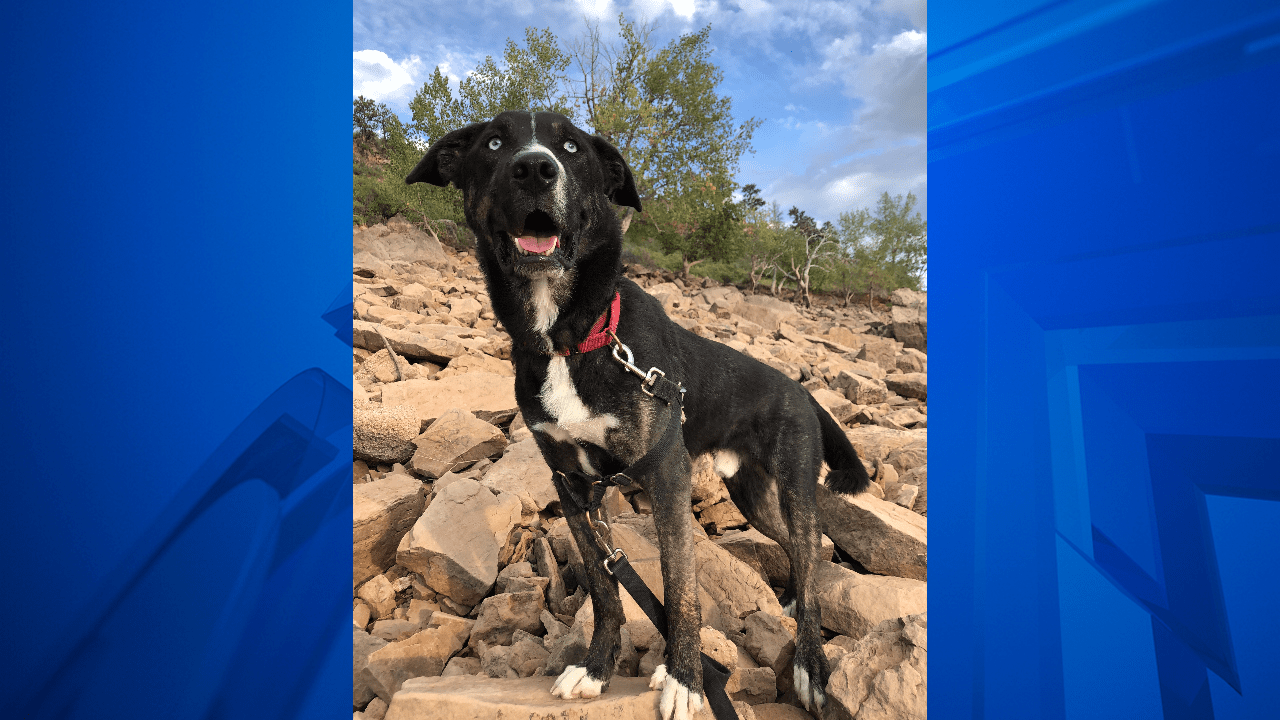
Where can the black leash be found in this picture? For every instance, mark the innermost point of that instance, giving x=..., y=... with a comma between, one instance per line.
x=655, y=383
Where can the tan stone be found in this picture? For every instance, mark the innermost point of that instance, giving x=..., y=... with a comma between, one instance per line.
x=884, y=537
x=454, y=441
x=455, y=544
x=912, y=385
x=835, y=403
x=523, y=473
x=476, y=698
x=504, y=613
x=722, y=516
x=909, y=456
x=473, y=363
x=383, y=433
x=406, y=343
x=471, y=392
x=382, y=511
x=885, y=674
x=379, y=595
x=859, y=390
x=853, y=604
x=424, y=654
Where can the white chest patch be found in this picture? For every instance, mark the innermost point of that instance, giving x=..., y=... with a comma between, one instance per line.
x=545, y=310
x=561, y=401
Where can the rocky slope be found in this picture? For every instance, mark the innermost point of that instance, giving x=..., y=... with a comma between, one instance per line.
x=466, y=593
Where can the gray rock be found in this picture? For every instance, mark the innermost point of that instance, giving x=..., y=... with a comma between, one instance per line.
x=885, y=674
x=454, y=441
x=503, y=614
x=383, y=433
x=362, y=645
x=455, y=544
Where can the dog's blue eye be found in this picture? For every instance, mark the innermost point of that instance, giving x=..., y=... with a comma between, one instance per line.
x=494, y=144
x=568, y=145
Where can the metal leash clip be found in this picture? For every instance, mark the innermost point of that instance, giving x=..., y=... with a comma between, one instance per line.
x=629, y=363
x=614, y=556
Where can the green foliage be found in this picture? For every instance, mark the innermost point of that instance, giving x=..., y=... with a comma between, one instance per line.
x=889, y=245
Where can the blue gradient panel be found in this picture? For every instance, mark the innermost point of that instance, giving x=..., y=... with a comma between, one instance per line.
x=1106, y=346
x=175, y=233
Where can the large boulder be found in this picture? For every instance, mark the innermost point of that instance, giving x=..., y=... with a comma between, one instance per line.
x=453, y=442
x=405, y=342
x=383, y=433
x=502, y=614
x=769, y=313
x=910, y=316
x=522, y=472
x=885, y=675
x=423, y=654
x=474, y=392
x=382, y=511
x=397, y=242
x=455, y=544
x=480, y=698
x=912, y=385
x=852, y=604
x=885, y=538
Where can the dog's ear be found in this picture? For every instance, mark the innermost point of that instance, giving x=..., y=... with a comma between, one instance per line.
x=617, y=176
x=440, y=165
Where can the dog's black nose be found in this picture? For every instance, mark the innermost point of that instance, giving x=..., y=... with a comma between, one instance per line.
x=537, y=166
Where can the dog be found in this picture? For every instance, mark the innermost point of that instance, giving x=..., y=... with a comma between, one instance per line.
x=538, y=193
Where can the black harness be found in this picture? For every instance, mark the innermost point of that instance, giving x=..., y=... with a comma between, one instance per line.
x=585, y=493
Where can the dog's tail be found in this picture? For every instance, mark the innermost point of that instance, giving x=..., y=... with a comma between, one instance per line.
x=847, y=474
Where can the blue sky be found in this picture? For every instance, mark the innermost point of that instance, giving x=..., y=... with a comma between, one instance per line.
x=840, y=86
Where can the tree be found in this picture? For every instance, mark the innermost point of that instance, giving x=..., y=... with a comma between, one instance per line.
x=890, y=244
x=701, y=224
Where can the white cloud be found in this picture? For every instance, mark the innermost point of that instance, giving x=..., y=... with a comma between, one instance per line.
x=597, y=9
x=377, y=76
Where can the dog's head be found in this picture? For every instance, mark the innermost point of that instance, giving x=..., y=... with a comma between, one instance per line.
x=533, y=187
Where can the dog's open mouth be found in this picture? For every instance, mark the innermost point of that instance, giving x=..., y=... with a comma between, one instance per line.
x=539, y=236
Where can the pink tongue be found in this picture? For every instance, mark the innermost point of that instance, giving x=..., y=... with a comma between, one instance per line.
x=537, y=244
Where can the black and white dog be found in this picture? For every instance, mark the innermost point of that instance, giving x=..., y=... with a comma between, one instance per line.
x=537, y=192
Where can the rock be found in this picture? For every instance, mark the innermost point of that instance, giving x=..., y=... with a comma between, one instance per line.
x=474, y=392
x=528, y=657
x=909, y=456
x=465, y=310
x=523, y=473
x=906, y=297
x=906, y=496
x=545, y=562
x=885, y=538
x=457, y=629
x=778, y=711
x=362, y=645
x=708, y=487
x=912, y=385
x=614, y=503
x=406, y=343
x=461, y=666
x=382, y=511
x=361, y=614
x=392, y=630
x=567, y=649
x=919, y=477
x=881, y=351
x=907, y=417
x=474, y=698
x=495, y=662
x=885, y=675
x=875, y=443
x=771, y=641
x=766, y=556
x=857, y=390
x=398, y=241
x=730, y=582
x=835, y=403
x=853, y=604
x=769, y=313
x=913, y=361
x=753, y=685
x=473, y=363
x=379, y=595
x=910, y=326
x=454, y=441
x=383, y=433
x=722, y=516
x=719, y=648
x=375, y=710
x=455, y=544
x=423, y=654
x=503, y=614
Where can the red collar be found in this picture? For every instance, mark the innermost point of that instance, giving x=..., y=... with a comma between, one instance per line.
x=600, y=335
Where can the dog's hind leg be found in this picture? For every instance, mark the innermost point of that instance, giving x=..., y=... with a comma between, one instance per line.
x=592, y=677
x=755, y=493
x=798, y=503
x=680, y=678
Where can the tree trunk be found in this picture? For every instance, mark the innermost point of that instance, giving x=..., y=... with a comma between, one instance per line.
x=626, y=219
x=688, y=265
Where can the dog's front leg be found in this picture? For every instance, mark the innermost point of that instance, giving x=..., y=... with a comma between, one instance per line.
x=591, y=678
x=680, y=679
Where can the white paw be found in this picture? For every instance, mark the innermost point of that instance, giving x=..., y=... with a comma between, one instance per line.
x=677, y=702
x=811, y=696
x=659, y=677
x=574, y=682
